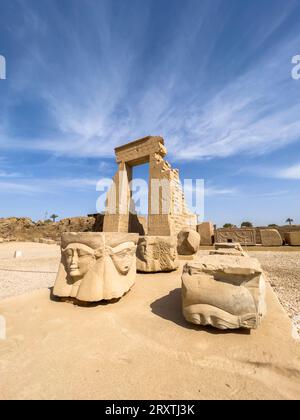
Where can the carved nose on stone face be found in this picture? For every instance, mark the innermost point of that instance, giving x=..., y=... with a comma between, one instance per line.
x=74, y=261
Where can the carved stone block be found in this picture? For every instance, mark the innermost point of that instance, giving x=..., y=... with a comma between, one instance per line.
x=293, y=238
x=96, y=266
x=244, y=236
x=157, y=254
x=225, y=248
x=226, y=292
x=206, y=231
x=270, y=237
x=188, y=242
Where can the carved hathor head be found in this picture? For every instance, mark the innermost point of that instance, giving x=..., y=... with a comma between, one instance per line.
x=96, y=266
x=80, y=252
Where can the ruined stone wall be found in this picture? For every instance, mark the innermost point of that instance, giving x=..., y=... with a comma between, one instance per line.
x=281, y=229
x=245, y=236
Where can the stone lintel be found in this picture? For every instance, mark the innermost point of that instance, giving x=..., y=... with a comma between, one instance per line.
x=139, y=151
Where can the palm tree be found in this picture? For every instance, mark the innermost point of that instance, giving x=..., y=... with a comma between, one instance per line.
x=53, y=217
x=289, y=221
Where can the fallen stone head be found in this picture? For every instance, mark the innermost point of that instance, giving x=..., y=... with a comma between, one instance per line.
x=96, y=266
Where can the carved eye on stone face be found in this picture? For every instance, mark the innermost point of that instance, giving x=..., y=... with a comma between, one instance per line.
x=83, y=253
x=68, y=253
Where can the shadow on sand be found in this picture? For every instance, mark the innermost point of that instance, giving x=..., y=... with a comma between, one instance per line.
x=76, y=302
x=170, y=307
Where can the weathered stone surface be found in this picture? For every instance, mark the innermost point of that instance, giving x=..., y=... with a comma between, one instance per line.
x=188, y=242
x=206, y=231
x=283, y=230
x=1, y=240
x=293, y=238
x=244, y=236
x=47, y=241
x=229, y=245
x=233, y=249
x=157, y=254
x=168, y=212
x=226, y=292
x=96, y=266
x=270, y=237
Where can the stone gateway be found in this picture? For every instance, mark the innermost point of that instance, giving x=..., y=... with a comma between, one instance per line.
x=167, y=210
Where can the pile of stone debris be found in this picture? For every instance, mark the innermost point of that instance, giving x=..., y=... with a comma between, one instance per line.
x=24, y=229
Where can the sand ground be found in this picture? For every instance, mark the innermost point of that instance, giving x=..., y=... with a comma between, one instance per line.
x=137, y=348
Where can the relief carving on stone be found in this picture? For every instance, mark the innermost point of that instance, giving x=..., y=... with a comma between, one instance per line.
x=157, y=254
x=96, y=266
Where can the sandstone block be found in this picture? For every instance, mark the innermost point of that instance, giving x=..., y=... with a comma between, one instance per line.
x=188, y=242
x=226, y=292
x=206, y=232
x=229, y=245
x=233, y=249
x=157, y=254
x=244, y=236
x=96, y=266
x=293, y=238
x=270, y=237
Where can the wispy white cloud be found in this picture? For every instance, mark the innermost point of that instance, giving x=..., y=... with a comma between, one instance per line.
x=19, y=188
x=97, y=107
x=51, y=186
x=214, y=191
x=292, y=172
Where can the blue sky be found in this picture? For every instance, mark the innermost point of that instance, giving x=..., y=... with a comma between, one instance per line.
x=212, y=77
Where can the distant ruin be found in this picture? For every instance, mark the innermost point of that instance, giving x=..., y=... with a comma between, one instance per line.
x=167, y=211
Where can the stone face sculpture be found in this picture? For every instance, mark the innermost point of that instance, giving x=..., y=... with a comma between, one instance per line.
x=270, y=237
x=226, y=292
x=157, y=254
x=96, y=266
x=188, y=242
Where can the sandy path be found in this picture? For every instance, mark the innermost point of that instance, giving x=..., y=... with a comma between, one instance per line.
x=35, y=270
x=141, y=348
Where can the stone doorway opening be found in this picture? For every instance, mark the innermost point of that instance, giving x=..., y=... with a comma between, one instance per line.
x=139, y=199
